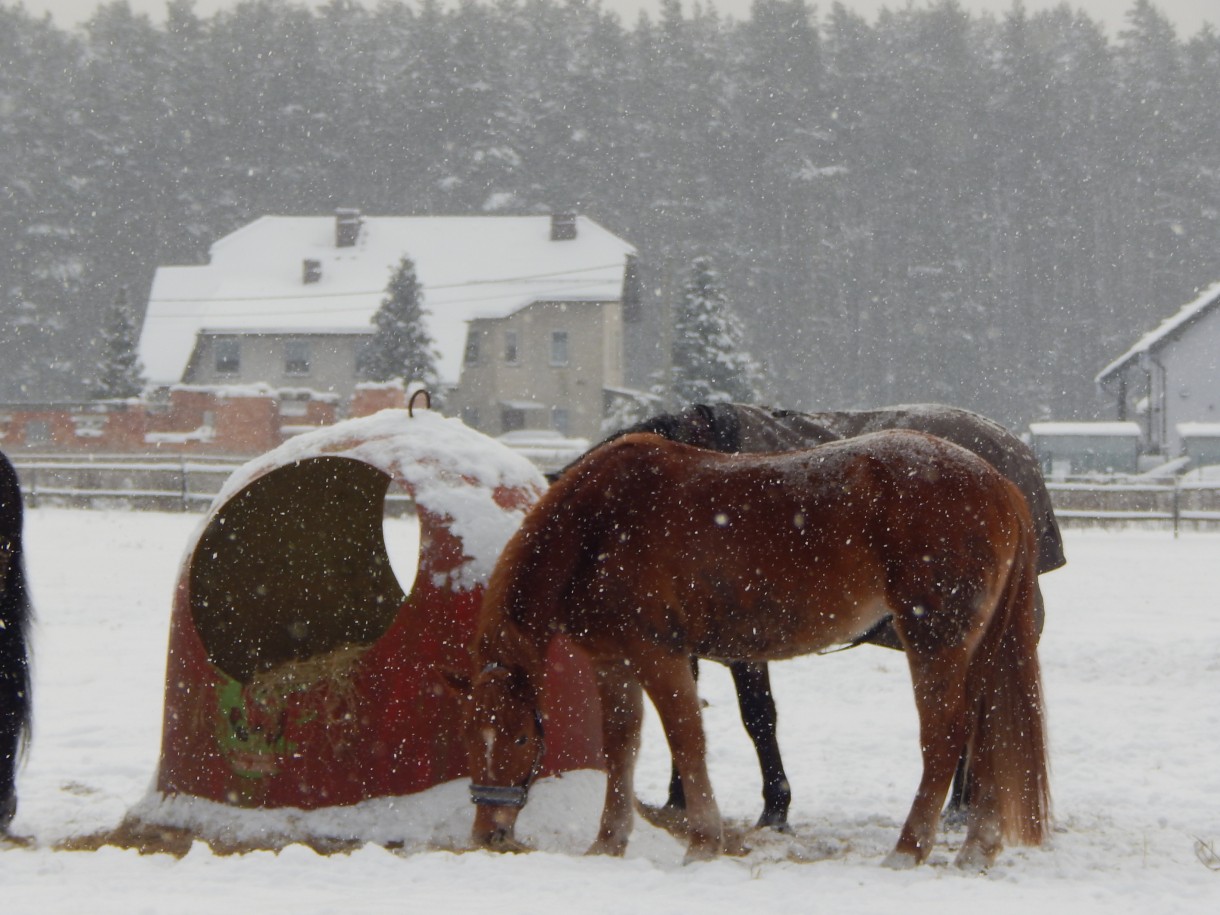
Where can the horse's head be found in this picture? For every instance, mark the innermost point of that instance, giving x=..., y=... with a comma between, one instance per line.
x=504, y=740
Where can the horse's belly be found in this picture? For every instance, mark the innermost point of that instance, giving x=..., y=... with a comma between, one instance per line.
x=775, y=632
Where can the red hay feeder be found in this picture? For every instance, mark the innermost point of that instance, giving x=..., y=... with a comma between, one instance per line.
x=301, y=672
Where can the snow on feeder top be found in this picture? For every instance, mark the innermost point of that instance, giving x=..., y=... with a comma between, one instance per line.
x=307, y=647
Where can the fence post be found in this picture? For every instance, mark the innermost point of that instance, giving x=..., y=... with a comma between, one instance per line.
x=1177, y=507
x=184, y=489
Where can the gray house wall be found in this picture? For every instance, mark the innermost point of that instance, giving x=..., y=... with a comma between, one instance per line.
x=1185, y=375
x=333, y=361
x=532, y=384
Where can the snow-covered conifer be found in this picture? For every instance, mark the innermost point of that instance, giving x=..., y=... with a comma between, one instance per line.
x=401, y=347
x=709, y=362
x=120, y=374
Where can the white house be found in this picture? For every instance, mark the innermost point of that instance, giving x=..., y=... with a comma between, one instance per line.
x=526, y=311
x=1171, y=376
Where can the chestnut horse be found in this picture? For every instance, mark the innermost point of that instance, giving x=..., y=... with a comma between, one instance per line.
x=733, y=428
x=648, y=552
x=15, y=615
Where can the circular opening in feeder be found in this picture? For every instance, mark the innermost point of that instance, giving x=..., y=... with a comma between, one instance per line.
x=308, y=560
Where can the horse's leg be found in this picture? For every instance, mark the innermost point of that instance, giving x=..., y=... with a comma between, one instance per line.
x=677, y=797
x=753, y=682
x=670, y=685
x=622, y=716
x=10, y=740
x=939, y=682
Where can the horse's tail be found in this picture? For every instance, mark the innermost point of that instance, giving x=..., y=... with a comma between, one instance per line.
x=1008, y=763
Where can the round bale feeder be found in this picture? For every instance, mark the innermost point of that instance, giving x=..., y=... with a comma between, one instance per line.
x=303, y=671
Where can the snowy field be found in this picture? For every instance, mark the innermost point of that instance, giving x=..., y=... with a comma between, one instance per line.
x=1131, y=656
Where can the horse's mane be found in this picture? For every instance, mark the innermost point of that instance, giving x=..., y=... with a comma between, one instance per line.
x=556, y=536
x=713, y=426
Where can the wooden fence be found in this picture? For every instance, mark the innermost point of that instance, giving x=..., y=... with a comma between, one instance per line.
x=150, y=483
x=190, y=484
x=1174, y=504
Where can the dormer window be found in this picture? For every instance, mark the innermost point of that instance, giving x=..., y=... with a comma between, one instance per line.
x=227, y=357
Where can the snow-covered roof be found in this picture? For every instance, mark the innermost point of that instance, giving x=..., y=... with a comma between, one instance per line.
x=1124, y=429
x=1165, y=331
x=469, y=267
x=1199, y=430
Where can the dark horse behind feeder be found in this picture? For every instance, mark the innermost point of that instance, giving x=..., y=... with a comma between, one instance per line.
x=648, y=552
x=15, y=707
x=735, y=428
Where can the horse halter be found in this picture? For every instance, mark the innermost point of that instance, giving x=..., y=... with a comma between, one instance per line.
x=513, y=796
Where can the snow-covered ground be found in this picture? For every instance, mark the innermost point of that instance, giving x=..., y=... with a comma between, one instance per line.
x=1132, y=666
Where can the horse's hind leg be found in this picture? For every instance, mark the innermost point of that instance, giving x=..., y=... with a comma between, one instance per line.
x=670, y=685
x=676, y=802
x=753, y=682
x=622, y=716
x=939, y=683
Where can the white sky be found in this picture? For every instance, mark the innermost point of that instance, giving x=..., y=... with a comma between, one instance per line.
x=1187, y=15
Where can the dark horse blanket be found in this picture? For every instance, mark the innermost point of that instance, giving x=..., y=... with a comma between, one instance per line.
x=730, y=428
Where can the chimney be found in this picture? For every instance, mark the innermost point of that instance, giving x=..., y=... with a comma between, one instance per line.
x=311, y=271
x=347, y=227
x=563, y=226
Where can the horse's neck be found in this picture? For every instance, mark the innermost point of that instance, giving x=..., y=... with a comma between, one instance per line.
x=503, y=643
x=764, y=431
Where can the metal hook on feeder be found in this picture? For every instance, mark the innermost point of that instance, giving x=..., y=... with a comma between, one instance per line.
x=411, y=402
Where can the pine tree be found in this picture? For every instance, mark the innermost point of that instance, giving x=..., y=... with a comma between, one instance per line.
x=401, y=347
x=120, y=374
x=709, y=364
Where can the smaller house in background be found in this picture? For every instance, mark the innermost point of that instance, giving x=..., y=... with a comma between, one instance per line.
x=526, y=312
x=1171, y=376
x=1079, y=449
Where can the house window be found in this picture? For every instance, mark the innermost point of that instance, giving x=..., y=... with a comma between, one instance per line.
x=472, y=347
x=228, y=357
x=559, y=420
x=296, y=357
x=37, y=432
x=559, y=347
x=510, y=347
x=512, y=419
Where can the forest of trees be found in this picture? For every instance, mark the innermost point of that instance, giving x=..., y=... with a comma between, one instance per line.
x=928, y=205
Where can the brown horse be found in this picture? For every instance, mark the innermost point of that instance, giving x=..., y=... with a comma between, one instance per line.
x=648, y=552
x=732, y=427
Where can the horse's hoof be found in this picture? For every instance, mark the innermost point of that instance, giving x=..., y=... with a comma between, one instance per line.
x=974, y=858
x=703, y=851
x=954, y=818
x=612, y=849
x=900, y=861
x=778, y=822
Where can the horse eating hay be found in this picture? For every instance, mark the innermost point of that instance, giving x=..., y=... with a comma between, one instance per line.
x=731, y=428
x=648, y=552
x=15, y=704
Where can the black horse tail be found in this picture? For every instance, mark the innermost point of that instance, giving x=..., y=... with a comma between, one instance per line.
x=16, y=709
